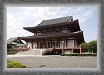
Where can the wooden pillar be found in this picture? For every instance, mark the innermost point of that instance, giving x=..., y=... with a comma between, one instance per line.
x=65, y=42
x=31, y=45
x=58, y=43
x=75, y=43
x=43, y=44
x=80, y=49
x=55, y=44
x=47, y=43
x=72, y=50
x=37, y=44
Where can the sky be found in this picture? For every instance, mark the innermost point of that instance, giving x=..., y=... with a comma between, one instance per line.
x=19, y=17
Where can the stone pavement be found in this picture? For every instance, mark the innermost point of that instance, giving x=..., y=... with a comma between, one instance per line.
x=56, y=61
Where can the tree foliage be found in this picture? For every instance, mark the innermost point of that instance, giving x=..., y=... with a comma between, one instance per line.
x=90, y=46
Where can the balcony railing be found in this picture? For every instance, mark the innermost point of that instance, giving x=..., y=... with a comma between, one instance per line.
x=53, y=33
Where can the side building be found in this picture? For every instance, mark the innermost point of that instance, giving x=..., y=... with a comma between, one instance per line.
x=14, y=44
x=56, y=36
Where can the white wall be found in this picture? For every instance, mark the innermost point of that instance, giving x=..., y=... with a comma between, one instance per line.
x=34, y=45
x=29, y=45
x=61, y=44
x=70, y=43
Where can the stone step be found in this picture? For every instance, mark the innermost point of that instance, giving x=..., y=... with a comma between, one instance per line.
x=31, y=52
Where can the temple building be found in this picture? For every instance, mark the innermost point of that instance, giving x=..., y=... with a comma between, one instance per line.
x=55, y=36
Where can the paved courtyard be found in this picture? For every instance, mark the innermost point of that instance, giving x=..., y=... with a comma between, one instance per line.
x=56, y=61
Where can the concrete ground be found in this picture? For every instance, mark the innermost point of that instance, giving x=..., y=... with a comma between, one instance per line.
x=56, y=61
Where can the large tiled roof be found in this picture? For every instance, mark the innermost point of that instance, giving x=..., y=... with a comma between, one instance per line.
x=68, y=21
x=56, y=21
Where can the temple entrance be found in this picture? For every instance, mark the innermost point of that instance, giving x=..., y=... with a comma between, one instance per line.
x=34, y=45
x=51, y=44
x=41, y=45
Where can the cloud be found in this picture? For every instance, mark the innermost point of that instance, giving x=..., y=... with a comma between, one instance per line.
x=15, y=26
x=19, y=17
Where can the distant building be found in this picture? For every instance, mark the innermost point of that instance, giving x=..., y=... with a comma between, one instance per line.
x=14, y=43
x=56, y=36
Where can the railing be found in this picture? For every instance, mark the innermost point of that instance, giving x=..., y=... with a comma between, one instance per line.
x=16, y=50
x=47, y=51
x=52, y=34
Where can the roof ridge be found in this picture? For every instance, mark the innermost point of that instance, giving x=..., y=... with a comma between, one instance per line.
x=57, y=18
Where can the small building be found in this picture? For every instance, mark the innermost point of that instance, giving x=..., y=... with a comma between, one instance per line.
x=56, y=36
x=14, y=43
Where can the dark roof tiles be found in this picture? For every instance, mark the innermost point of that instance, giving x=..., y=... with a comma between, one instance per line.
x=56, y=20
x=9, y=41
x=15, y=39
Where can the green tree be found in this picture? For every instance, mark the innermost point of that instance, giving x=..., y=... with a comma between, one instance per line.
x=90, y=46
x=93, y=46
x=85, y=47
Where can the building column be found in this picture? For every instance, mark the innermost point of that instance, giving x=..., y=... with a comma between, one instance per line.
x=58, y=44
x=72, y=50
x=37, y=44
x=80, y=49
x=65, y=42
x=75, y=45
x=47, y=43
x=31, y=45
x=55, y=43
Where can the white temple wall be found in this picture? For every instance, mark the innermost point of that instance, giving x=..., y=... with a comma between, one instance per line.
x=29, y=45
x=70, y=43
x=34, y=45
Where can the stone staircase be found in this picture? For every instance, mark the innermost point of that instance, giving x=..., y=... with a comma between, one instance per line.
x=31, y=52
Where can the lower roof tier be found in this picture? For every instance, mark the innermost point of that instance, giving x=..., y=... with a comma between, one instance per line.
x=77, y=35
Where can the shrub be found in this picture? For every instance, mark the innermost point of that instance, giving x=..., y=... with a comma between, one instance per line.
x=13, y=64
x=77, y=54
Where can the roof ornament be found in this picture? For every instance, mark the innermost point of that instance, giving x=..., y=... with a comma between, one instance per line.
x=70, y=18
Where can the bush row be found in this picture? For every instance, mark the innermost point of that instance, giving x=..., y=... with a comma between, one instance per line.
x=77, y=54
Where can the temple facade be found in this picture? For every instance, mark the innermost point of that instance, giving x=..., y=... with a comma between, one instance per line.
x=56, y=36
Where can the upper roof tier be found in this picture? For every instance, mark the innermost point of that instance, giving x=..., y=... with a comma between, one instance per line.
x=68, y=21
x=56, y=21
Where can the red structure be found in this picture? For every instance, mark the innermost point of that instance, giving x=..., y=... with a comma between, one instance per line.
x=56, y=36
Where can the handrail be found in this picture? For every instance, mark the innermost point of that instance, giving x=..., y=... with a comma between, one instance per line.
x=47, y=51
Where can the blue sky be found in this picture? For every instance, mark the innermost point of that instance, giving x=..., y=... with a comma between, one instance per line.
x=19, y=17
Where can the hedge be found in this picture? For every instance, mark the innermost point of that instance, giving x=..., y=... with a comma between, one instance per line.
x=77, y=54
